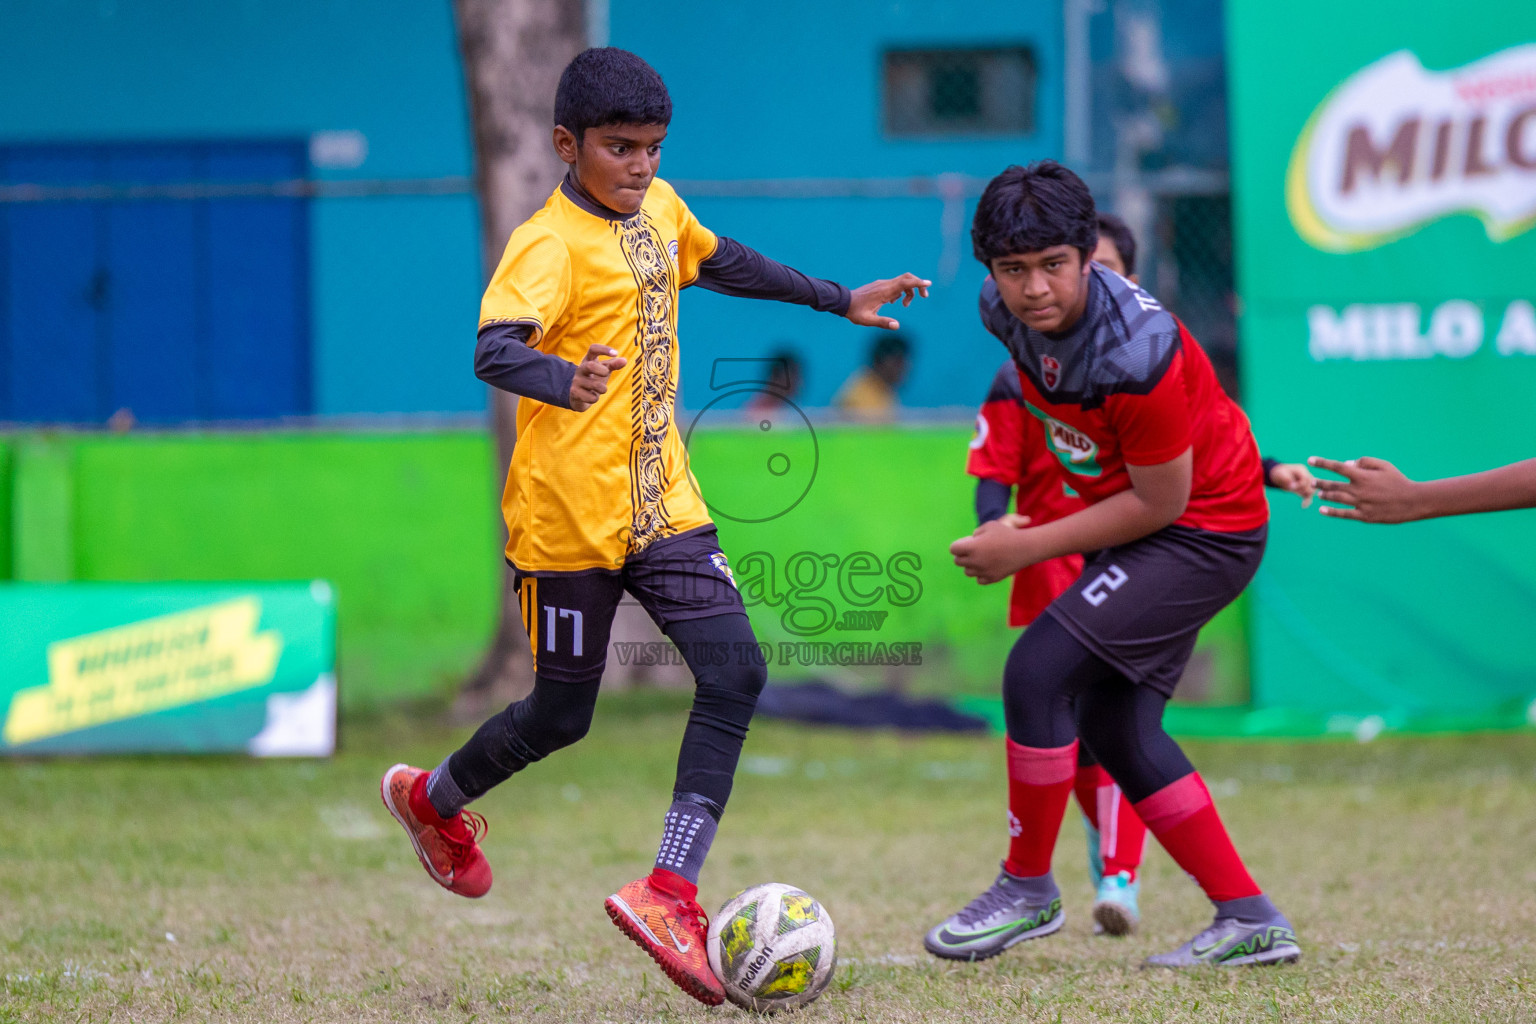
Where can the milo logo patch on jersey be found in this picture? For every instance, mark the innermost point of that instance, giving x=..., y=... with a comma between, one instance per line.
x=1072, y=445
x=1076, y=450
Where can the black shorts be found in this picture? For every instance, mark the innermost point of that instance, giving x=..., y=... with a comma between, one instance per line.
x=568, y=614
x=1140, y=606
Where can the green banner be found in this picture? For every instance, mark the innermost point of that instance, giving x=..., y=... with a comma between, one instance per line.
x=1385, y=187
x=104, y=667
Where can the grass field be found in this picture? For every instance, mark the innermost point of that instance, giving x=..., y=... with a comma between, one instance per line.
x=225, y=890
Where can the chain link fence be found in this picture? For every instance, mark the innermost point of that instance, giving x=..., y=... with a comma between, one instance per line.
x=1181, y=218
x=1188, y=266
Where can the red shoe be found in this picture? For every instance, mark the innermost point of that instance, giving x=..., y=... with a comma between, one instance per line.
x=672, y=929
x=447, y=847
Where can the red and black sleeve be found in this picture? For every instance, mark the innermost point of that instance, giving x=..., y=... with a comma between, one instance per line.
x=1154, y=427
x=997, y=450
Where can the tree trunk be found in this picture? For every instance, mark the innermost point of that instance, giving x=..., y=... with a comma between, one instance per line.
x=513, y=52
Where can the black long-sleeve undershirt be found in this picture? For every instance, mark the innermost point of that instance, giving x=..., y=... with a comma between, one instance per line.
x=735, y=269
x=992, y=500
x=504, y=359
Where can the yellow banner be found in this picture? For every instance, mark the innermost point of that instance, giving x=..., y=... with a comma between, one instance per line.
x=147, y=666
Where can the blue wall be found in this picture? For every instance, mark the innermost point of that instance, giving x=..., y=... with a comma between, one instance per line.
x=790, y=91
x=794, y=91
x=395, y=281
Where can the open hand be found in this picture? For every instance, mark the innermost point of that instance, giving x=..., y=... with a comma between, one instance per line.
x=591, y=380
x=994, y=551
x=1294, y=477
x=864, y=308
x=1373, y=491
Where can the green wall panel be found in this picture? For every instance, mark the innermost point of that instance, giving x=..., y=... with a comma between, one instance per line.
x=849, y=547
x=7, y=461
x=42, y=509
x=402, y=524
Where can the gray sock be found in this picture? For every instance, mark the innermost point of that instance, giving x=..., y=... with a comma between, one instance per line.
x=1249, y=908
x=444, y=794
x=1039, y=889
x=685, y=839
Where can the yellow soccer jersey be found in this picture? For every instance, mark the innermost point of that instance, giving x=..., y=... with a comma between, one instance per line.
x=588, y=489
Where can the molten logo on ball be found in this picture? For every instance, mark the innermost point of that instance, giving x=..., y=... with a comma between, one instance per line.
x=773, y=947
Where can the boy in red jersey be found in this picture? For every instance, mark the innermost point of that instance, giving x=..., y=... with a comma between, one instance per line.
x=1009, y=451
x=1173, y=529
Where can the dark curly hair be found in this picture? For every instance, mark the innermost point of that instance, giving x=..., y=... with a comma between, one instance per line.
x=1026, y=209
x=1119, y=232
x=605, y=85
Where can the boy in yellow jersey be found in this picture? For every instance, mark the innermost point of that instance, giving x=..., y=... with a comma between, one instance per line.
x=580, y=320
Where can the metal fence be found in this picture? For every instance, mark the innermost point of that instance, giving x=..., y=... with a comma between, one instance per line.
x=1187, y=263
x=1181, y=218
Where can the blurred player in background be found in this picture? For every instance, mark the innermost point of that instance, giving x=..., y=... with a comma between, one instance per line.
x=599, y=499
x=871, y=394
x=1174, y=525
x=786, y=379
x=1375, y=491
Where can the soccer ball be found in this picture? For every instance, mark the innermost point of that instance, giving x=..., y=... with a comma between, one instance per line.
x=772, y=947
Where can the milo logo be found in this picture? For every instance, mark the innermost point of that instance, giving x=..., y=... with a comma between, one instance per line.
x=1396, y=146
x=1076, y=450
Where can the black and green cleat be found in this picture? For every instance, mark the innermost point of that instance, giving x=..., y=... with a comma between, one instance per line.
x=1237, y=941
x=1008, y=912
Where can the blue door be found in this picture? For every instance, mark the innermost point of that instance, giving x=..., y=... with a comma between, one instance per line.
x=150, y=269
x=54, y=294
x=257, y=287
x=134, y=283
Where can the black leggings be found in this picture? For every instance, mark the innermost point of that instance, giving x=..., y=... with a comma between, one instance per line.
x=1056, y=690
x=722, y=653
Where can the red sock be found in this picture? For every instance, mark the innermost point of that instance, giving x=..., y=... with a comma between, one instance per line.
x=672, y=884
x=1039, y=784
x=421, y=806
x=1185, y=821
x=1086, y=787
x=1122, y=836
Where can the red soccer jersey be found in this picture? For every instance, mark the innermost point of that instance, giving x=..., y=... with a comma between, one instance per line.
x=1009, y=447
x=1128, y=384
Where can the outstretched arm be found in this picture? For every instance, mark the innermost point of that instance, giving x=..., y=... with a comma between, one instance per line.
x=1375, y=491
x=737, y=270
